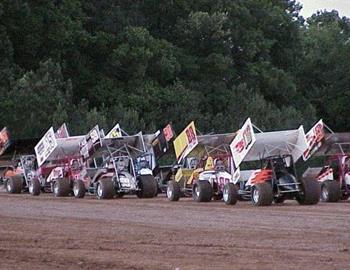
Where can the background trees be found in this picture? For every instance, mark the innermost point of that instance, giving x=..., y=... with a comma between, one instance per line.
x=144, y=63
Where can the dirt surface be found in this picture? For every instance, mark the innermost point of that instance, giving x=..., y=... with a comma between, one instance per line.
x=67, y=233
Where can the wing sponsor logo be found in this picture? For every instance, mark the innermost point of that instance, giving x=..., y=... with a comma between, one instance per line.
x=168, y=133
x=4, y=140
x=242, y=143
x=245, y=141
x=185, y=142
x=191, y=136
x=46, y=146
x=314, y=139
x=91, y=138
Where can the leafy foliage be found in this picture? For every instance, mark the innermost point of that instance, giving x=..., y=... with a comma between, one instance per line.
x=145, y=63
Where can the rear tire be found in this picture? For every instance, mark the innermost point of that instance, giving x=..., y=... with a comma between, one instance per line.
x=61, y=187
x=230, y=194
x=148, y=186
x=262, y=194
x=14, y=184
x=202, y=191
x=34, y=187
x=173, y=191
x=105, y=188
x=310, y=192
x=79, y=189
x=330, y=191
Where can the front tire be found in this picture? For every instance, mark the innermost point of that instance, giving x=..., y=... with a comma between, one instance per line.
x=330, y=191
x=230, y=194
x=34, y=187
x=79, y=189
x=173, y=191
x=105, y=189
x=202, y=191
x=310, y=192
x=148, y=186
x=61, y=187
x=14, y=184
x=262, y=194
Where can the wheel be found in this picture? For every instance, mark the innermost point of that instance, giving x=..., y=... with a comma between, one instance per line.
x=173, y=191
x=310, y=192
x=147, y=186
x=79, y=189
x=105, y=188
x=202, y=191
x=330, y=191
x=34, y=187
x=61, y=187
x=14, y=184
x=262, y=194
x=230, y=194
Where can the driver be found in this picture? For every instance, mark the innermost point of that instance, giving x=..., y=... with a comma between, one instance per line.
x=122, y=164
x=202, y=162
x=144, y=164
x=193, y=163
x=75, y=165
x=219, y=165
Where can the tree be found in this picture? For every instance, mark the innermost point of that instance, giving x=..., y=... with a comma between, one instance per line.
x=324, y=75
x=35, y=99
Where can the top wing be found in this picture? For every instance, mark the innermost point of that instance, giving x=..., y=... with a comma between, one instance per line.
x=237, y=143
x=51, y=148
x=214, y=144
x=323, y=142
x=287, y=142
x=334, y=143
x=131, y=145
x=59, y=145
x=62, y=131
x=160, y=142
x=115, y=132
x=189, y=144
x=69, y=146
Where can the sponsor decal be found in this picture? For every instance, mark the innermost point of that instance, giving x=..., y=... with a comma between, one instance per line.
x=186, y=141
x=242, y=143
x=4, y=140
x=314, y=138
x=46, y=146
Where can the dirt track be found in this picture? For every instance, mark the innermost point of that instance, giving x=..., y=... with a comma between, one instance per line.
x=66, y=233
